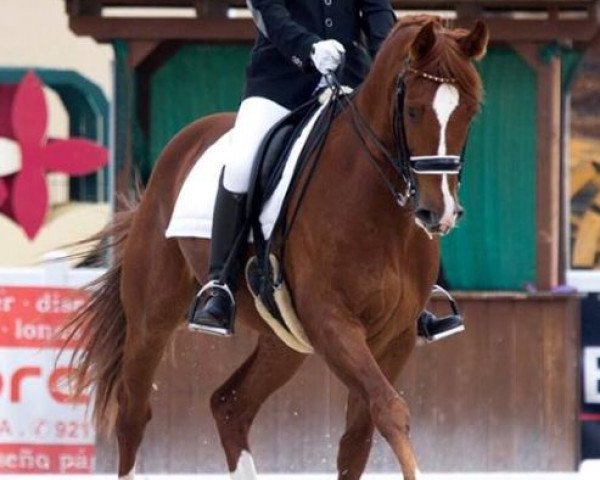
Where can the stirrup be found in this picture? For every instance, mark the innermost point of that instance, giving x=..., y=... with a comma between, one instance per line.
x=201, y=299
x=455, y=320
x=453, y=305
x=216, y=285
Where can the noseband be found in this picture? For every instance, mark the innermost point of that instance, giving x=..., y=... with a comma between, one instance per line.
x=406, y=165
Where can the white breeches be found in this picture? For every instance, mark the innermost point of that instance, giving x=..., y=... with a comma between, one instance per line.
x=254, y=119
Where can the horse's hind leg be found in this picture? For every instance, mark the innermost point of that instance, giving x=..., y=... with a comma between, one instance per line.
x=134, y=398
x=237, y=401
x=154, y=292
x=355, y=444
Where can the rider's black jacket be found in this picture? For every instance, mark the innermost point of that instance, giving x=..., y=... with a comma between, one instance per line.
x=280, y=68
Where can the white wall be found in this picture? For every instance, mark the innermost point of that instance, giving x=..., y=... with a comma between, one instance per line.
x=36, y=33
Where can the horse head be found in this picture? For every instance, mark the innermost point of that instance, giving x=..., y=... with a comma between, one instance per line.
x=438, y=92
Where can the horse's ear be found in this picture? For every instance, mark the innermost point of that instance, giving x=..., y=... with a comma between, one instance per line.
x=474, y=44
x=423, y=42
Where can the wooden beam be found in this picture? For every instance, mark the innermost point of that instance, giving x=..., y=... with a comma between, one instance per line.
x=530, y=53
x=211, y=8
x=139, y=50
x=84, y=7
x=511, y=30
x=406, y=4
x=218, y=29
x=548, y=174
x=469, y=11
x=193, y=29
x=548, y=165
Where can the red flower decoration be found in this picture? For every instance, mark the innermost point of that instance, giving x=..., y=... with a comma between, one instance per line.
x=3, y=192
x=25, y=195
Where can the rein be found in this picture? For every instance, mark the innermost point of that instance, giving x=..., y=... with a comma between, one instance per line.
x=403, y=163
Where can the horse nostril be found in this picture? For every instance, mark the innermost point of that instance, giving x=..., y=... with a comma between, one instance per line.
x=428, y=217
x=459, y=213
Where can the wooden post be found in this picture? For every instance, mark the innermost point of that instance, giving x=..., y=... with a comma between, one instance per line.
x=548, y=174
x=548, y=196
x=123, y=138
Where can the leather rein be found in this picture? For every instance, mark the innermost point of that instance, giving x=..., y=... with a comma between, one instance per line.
x=407, y=166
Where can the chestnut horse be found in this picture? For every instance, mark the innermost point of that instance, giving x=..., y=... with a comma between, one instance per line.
x=359, y=265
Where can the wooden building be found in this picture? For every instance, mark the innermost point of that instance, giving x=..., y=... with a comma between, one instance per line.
x=503, y=396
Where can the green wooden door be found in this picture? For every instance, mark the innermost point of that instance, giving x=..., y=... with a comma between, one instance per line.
x=494, y=247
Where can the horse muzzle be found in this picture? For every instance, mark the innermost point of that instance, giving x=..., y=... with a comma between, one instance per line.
x=433, y=223
x=436, y=222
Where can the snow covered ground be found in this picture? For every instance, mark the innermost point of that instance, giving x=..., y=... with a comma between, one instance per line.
x=589, y=470
x=583, y=475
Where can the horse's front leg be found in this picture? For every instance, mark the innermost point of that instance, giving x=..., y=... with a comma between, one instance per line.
x=341, y=340
x=355, y=444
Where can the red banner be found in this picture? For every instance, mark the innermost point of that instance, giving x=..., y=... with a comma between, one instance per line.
x=42, y=428
x=29, y=459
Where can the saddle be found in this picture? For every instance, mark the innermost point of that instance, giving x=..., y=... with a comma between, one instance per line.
x=264, y=275
x=273, y=153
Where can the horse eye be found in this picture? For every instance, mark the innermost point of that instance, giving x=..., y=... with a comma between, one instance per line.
x=413, y=113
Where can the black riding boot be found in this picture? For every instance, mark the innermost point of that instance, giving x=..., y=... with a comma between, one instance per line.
x=432, y=328
x=213, y=308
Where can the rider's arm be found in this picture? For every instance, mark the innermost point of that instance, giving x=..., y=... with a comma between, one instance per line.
x=378, y=19
x=275, y=22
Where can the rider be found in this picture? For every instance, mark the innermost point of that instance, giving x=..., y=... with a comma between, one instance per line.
x=298, y=42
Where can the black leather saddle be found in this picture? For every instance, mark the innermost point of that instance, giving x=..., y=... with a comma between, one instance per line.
x=273, y=153
x=268, y=169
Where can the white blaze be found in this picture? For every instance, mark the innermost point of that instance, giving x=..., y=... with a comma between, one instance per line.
x=448, y=216
x=445, y=102
x=245, y=469
x=129, y=476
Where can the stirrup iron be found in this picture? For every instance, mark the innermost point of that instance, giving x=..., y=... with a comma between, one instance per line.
x=431, y=328
x=216, y=285
x=202, y=298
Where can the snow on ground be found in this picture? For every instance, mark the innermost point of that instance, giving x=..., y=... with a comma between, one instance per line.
x=589, y=470
x=583, y=475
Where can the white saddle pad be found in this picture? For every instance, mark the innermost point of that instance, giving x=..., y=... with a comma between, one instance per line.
x=192, y=215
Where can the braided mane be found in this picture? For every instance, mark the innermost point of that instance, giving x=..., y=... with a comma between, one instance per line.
x=446, y=59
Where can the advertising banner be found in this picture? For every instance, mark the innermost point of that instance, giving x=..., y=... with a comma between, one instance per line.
x=590, y=411
x=42, y=428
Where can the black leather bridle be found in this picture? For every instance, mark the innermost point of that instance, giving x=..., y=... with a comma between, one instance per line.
x=407, y=166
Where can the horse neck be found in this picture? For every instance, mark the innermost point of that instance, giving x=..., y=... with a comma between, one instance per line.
x=375, y=102
x=376, y=98
x=346, y=167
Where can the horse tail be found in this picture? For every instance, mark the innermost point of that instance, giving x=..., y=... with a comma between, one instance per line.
x=97, y=331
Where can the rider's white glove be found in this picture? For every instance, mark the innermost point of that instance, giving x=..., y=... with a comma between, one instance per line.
x=327, y=55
